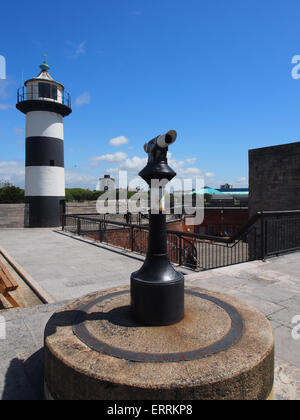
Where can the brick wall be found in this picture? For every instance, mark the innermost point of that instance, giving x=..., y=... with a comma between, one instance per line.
x=218, y=221
x=121, y=237
x=274, y=178
x=274, y=183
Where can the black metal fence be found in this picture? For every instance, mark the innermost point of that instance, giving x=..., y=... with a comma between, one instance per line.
x=199, y=252
x=280, y=232
x=33, y=93
x=265, y=235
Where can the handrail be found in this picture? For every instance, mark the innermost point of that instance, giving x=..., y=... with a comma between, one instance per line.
x=24, y=95
x=173, y=232
x=266, y=234
x=280, y=212
x=229, y=240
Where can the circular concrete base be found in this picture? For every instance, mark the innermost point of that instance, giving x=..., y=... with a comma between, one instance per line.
x=222, y=349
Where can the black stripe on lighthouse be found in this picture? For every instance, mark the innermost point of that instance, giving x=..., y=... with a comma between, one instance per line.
x=44, y=151
x=44, y=211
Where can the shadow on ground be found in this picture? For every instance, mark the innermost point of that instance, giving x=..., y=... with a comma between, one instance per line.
x=24, y=379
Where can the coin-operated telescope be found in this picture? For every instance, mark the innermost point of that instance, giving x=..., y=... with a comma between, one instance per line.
x=157, y=150
x=157, y=289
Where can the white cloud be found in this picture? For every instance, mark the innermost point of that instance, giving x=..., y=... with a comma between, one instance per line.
x=118, y=141
x=75, y=179
x=112, y=170
x=134, y=164
x=242, y=182
x=191, y=171
x=190, y=161
x=175, y=164
x=112, y=158
x=80, y=50
x=5, y=107
x=13, y=172
x=77, y=49
x=4, y=86
x=83, y=99
x=18, y=131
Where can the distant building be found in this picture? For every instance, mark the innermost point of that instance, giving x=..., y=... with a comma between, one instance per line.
x=225, y=192
x=106, y=184
x=226, y=187
x=229, y=190
x=225, y=211
x=222, y=221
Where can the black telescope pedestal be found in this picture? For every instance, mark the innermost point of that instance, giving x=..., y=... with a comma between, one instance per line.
x=157, y=289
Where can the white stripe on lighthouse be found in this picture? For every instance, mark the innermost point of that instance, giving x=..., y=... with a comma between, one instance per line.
x=44, y=124
x=44, y=181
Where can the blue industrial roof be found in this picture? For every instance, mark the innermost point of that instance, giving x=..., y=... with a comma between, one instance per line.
x=206, y=190
x=232, y=191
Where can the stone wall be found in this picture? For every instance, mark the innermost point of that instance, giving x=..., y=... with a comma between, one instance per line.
x=274, y=185
x=274, y=178
x=12, y=215
x=88, y=207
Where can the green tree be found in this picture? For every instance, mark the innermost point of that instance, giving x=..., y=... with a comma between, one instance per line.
x=80, y=194
x=11, y=195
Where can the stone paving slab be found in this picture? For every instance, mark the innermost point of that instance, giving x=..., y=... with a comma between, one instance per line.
x=21, y=362
x=272, y=287
x=64, y=267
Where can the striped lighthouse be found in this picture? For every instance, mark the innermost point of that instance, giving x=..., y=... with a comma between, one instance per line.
x=45, y=103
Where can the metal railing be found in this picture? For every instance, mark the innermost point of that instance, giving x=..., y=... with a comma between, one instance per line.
x=33, y=94
x=265, y=235
x=199, y=252
x=280, y=232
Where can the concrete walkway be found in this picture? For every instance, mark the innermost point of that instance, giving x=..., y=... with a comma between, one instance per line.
x=68, y=268
x=272, y=287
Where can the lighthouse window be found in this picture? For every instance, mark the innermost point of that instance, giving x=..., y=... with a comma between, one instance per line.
x=47, y=91
x=51, y=162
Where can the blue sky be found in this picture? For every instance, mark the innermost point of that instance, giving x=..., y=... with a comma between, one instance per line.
x=219, y=72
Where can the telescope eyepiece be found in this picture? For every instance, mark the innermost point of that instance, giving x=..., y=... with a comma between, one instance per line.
x=169, y=139
x=162, y=141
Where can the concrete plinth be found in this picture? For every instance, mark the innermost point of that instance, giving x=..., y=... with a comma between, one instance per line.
x=221, y=350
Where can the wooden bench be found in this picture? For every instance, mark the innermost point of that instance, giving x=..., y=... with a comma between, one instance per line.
x=7, y=284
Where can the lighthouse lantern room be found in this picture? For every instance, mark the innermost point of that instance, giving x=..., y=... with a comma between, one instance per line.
x=45, y=103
